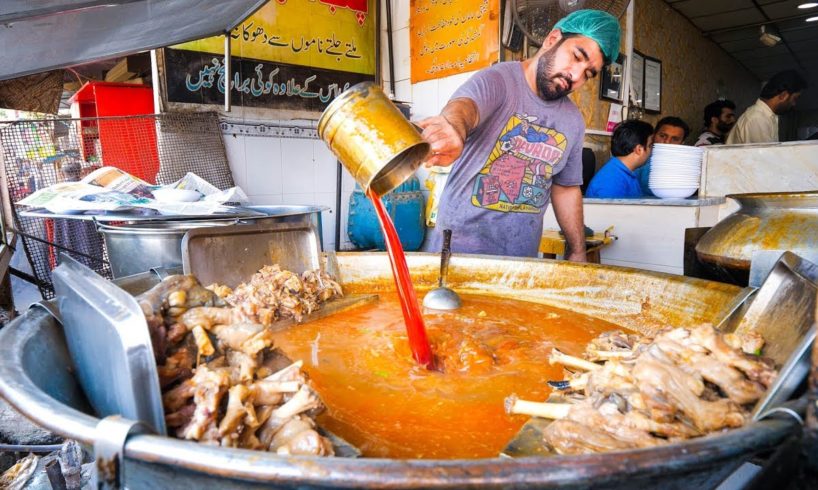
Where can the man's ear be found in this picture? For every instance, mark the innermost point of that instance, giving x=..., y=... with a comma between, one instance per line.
x=551, y=39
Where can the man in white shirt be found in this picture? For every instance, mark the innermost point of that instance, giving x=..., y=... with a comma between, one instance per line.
x=759, y=123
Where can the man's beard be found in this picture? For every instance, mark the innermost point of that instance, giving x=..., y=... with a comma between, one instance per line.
x=547, y=82
x=724, y=127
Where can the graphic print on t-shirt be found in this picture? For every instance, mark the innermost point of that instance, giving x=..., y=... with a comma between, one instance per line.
x=517, y=175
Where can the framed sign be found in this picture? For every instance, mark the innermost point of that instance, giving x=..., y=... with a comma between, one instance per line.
x=637, y=94
x=653, y=85
x=291, y=54
x=447, y=37
x=611, y=81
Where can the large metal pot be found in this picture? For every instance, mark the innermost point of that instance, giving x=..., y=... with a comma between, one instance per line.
x=764, y=221
x=36, y=378
x=141, y=246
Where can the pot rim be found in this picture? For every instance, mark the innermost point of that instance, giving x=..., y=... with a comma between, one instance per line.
x=798, y=199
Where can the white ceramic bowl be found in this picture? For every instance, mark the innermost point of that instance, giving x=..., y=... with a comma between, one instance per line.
x=673, y=192
x=176, y=195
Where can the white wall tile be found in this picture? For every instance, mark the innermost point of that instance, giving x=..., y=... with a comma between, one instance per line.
x=263, y=165
x=265, y=199
x=326, y=169
x=402, y=55
x=327, y=218
x=302, y=198
x=345, y=243
x=400, y=14
x=236, y=158
x=424, y=99
x=298, y=165
x=347, y=181
x=403, y=91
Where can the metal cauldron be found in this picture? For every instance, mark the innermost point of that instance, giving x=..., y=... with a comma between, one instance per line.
x=141, y=246
x=36, y=378
x=764, y=221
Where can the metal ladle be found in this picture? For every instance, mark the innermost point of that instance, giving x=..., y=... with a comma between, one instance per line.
x=441, y=297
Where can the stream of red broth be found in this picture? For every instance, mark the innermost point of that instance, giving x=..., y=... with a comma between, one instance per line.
x=416, y=330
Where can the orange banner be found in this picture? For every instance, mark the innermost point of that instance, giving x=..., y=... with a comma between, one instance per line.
x=448, y=37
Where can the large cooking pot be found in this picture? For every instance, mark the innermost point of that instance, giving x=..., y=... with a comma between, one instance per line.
x=141, y=246
x=764, y=221
x=36, y=378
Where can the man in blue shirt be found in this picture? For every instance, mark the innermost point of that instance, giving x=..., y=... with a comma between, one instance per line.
x=630, y=147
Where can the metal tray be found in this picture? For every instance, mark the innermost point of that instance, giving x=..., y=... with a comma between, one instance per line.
x=108, y=339
x=141, y=215
x=783, y=312
x=231, y=254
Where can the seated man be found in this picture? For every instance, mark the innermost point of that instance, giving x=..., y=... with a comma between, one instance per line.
x=671, y=130
x=630, y=147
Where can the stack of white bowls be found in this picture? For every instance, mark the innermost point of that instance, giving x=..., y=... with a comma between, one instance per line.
x=675, y=170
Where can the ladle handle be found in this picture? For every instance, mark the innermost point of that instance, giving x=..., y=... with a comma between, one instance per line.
x=445, y=254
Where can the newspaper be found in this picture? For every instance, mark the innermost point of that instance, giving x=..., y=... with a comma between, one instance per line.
x=111, y=189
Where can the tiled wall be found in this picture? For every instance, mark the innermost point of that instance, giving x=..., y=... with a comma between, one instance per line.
x=300, y=170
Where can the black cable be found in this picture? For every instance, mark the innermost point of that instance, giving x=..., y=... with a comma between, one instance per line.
x=27, y=277
x=66, y=249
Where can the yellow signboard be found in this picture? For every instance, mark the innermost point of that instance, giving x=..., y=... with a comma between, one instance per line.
x=448, y=37
x=329, y=34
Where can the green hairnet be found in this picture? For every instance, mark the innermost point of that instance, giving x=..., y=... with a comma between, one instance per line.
x=600, y=26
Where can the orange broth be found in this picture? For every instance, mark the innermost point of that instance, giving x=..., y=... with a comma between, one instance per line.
x=381, y=401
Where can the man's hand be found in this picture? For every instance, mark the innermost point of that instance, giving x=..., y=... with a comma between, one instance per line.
x=446, y=133
x=445, y=141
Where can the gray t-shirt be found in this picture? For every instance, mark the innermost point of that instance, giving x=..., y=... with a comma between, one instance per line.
x=500, y=186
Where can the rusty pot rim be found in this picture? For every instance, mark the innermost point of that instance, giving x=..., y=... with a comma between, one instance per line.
x=799, y=199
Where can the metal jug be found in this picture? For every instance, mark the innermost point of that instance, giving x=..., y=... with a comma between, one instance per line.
x=371, y=138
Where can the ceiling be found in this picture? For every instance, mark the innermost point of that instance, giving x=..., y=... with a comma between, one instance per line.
x=735, y=25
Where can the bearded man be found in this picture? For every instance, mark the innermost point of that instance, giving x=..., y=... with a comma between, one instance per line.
x=719, y=119
x=515, y=140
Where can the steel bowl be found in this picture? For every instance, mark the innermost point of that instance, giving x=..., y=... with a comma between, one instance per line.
x=141, y=246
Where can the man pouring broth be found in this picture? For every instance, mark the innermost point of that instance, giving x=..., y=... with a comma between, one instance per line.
x=515, y=139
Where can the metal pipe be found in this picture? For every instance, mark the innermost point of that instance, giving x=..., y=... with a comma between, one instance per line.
x=157, y=95
x=757, y=24
x=227, y=71
x=338, y=191
x=66, y=249
x=29, y=448
x=626, y=73
x=389, y=47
